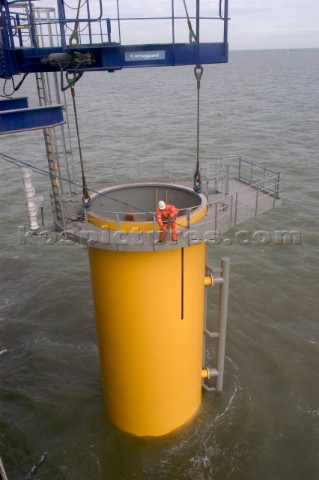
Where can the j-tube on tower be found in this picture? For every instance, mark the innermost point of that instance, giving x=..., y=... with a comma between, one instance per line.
x=149, y=302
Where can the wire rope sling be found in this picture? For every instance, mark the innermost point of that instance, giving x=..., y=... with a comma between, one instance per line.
x=198, y=70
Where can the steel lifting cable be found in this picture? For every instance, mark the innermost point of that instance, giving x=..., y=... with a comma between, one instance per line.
x=75, y=35
x=198, y=70
x=192, y=36
x=86, y=196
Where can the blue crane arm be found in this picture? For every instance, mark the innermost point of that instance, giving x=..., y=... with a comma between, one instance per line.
x=46, y=39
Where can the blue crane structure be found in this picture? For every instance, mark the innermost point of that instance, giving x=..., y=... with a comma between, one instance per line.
x=86, y=43
x=60, y=38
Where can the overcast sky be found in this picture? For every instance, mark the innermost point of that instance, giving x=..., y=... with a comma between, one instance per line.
x=254, y=24
x=260, y=24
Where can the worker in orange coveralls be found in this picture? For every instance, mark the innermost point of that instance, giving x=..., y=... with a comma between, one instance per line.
x=164, y=215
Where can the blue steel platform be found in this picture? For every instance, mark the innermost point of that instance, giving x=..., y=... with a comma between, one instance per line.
x=13, y=103
x=22, y=119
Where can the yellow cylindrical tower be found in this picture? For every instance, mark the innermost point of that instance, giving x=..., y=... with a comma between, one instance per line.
x=149, y=304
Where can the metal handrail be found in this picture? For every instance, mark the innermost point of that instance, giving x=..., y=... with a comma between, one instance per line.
x=251, y=180
x=112, y=214
x=215, y=174
x=64, y=19
x=219, y=221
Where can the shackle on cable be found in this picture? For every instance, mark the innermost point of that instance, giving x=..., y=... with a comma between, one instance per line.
x=197, y=182
x=198, y=70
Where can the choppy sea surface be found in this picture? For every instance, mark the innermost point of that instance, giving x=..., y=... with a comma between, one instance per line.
x=264, y=106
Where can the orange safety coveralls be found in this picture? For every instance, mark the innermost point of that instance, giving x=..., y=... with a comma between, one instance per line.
x=162, y=217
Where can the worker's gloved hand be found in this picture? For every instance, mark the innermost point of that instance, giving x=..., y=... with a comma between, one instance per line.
x=164, y=229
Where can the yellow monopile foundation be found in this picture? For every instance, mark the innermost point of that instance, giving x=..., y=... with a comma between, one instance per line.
x=149, y=305
x=149, y=313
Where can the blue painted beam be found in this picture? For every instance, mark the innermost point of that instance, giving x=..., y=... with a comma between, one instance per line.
x=13, y=103
x=20, y=120
x=115, y=57
x=174, y=55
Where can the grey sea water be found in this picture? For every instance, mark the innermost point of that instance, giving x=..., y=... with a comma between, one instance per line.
x=264, y=106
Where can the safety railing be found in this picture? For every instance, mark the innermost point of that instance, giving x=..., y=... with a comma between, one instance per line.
x=223, y=212
x=139, y=215
x=232, y=203
x=242, y=204
x=213, y=172
x=115, y=221
x=116, y=21
x=266, y=179
x=216, y=173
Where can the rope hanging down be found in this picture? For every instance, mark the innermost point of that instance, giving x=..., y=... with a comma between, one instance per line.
x=198, y=70
x=192, y=36
x=86, y=196
x=74, y=38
